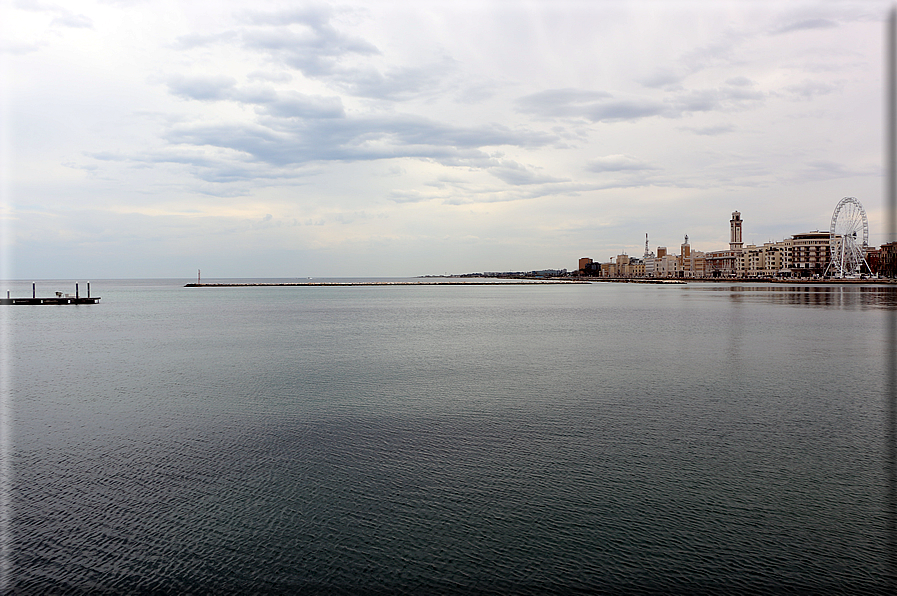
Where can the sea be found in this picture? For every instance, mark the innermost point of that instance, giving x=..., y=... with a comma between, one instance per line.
x=608, y=438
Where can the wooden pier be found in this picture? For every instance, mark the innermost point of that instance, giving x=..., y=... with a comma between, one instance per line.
x=59, y=298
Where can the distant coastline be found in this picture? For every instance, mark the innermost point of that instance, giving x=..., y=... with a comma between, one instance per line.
x=559, y=281
x=749, y=280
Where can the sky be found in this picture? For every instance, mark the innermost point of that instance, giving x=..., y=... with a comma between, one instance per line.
x=401, y=138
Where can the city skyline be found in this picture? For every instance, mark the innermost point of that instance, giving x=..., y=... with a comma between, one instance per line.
x=741, y=221
x=391, y=138
x=842, y=252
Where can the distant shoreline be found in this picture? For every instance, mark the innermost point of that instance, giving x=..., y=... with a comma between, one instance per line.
x=742, y=280
x=575, y=281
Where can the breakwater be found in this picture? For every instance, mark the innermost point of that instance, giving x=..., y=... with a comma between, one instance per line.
x=388, y=283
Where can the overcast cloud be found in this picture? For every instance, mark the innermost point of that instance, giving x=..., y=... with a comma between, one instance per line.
x=398, y=138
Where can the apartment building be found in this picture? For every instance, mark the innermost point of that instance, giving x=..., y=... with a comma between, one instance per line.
x=888, y=260
x=807, y=254
x=763, y=261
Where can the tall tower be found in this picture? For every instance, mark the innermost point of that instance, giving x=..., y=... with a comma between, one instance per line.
x=646, y=246
x=685, y=249
x=735, y=242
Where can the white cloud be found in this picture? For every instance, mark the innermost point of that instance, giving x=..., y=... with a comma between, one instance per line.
x=808, y=89
x=712, y=130
x=203, y=87
x=617, y=163
x=804, y=24
x=61, y=16
x=402, y=124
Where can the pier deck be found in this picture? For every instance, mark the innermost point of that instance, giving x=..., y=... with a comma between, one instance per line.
x=59, y=298
x=53, y=300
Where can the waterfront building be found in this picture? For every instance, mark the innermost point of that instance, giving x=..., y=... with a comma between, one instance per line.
x=667, y=266
x=697, y=264
x=888, y=260
x=593, y=269
x=690, y=263
x=807, y=254
x=583, y=264
x=722, y=263
x=648, y=259
x=727, y=263
x=683, y=261
x=763, y=261
x=543, y=273
x=873, y=259
x=751, y=260
x=650, y=266
x=620, y=266
x=656, y=266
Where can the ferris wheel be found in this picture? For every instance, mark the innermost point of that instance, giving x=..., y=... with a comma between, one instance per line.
x=848, y=239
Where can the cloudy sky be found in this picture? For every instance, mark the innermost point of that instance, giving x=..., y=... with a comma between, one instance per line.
x=398, y=138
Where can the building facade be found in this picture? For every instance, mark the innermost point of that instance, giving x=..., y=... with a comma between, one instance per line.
x=763, y=261
x=807, y=254
x=888, y=260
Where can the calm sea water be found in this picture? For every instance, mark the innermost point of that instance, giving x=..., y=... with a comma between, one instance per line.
x=615, y=438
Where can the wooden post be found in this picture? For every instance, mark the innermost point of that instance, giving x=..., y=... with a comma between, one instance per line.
x=88, y=289
x=33, y=290
x=76, y=290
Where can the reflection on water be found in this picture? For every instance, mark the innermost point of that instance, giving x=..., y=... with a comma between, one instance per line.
x=833, y=296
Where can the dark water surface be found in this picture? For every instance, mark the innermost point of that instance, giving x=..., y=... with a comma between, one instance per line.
x=611, y=438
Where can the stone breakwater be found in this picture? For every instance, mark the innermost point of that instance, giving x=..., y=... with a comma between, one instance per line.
x=788, y=281
x=391, y=283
